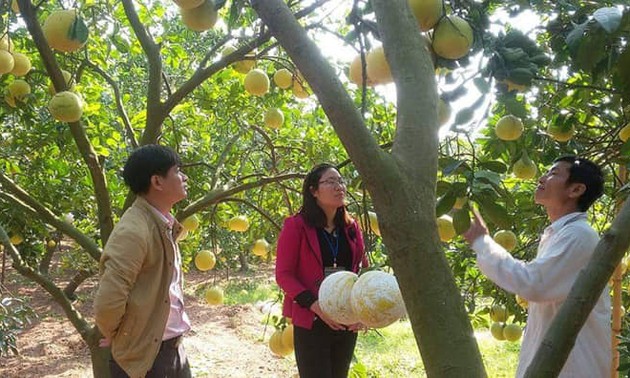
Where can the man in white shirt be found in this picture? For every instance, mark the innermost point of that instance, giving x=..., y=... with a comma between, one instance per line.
x=566, y=191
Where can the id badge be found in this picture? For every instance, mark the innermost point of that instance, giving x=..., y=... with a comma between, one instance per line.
x=328, y=270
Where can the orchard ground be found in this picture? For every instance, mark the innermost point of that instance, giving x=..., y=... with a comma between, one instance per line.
x=226, y=341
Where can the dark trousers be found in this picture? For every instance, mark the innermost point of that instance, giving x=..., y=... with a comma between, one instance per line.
x=322, y=352
x=171, y=362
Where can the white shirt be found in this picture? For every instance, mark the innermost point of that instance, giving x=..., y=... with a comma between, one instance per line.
x=565, y=248
x=178, y=322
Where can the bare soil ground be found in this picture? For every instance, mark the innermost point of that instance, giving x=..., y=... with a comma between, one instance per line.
x=226, y=341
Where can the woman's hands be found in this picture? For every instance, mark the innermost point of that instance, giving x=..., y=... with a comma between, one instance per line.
x=320, y=314
x=356, y=327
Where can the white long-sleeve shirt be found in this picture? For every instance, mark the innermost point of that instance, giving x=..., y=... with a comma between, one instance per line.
x=565, y=248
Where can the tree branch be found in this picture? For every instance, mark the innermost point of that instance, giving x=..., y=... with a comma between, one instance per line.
x=29, y=204
x=155, y=109
x=73, y=315
x=323, y=80
x=220, y=194
x=119, y=105
x=258, y=209
x=105, y=217
x=416, y=91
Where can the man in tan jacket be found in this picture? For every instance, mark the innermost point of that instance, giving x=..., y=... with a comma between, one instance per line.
x=139, y=304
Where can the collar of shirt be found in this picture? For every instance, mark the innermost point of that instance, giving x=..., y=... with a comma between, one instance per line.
x=168, y=219
x=563, y=220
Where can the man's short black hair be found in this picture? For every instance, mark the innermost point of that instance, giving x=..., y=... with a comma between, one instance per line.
x=585, y=172
x=146, y=161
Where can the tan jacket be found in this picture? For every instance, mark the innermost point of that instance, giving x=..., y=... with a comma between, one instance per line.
x=132, y=304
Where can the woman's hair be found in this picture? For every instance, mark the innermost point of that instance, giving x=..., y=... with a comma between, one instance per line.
x=312, y=213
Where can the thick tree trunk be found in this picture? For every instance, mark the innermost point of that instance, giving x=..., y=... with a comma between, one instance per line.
x=561, y=335
x=402, y=185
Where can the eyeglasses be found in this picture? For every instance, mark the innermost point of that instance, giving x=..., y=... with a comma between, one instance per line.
x=333, y=182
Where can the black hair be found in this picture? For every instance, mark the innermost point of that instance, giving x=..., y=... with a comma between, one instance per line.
x=585, y=172
x=312, y=213
x=145, y=162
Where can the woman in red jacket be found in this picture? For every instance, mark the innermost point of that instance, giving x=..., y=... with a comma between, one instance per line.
x=321, y=239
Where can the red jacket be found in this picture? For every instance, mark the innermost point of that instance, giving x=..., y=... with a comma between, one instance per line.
x=299, y=264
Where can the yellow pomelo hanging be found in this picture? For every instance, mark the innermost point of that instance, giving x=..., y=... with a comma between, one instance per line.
x=16, y=239
x=355, y=72
x=260, y=247
x=496, y=329
x=277, y=347
x=334, y=297
x=512, y=332
x=452, y=37
x=498, y=313
x=66, y=107
x=205, y=260
x=65, y=30
x=374, y=223
x=376, y=299
x=446, y=230
x=256, y=82
x=525, y=168
x=19, y=90
x=299, y=90
x=22, y=64
x=191, y=223
x=427, y=12
x=6, y=43
x=67, y=77
x=200, y=18
x=506, y=239
x=214, y=296
x=287, y=336
x=238, y=223
x=377, y=67
x=560, y=133
x=624, y=133
x=274, y=118
x=509, y=128
x=283, y=78
x=6, y=62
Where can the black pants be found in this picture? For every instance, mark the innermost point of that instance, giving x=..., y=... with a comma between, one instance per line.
x=322, y=352
x=171, y=362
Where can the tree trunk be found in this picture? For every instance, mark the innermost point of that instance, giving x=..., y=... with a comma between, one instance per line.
x=99, y=356
x=562, y=333
x=242, y=258
x=402, y=185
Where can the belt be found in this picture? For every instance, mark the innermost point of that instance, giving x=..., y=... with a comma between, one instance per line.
x=173, y=343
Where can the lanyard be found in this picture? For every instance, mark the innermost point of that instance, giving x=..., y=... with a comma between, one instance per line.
x=334, y=250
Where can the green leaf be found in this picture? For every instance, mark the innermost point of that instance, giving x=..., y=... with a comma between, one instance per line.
x=494, y=166
x=445, y=204
x=609, y=18
x=495, y=213
x=461, y=221
x=515, y=107
x=78, y=31
x=574, y=38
